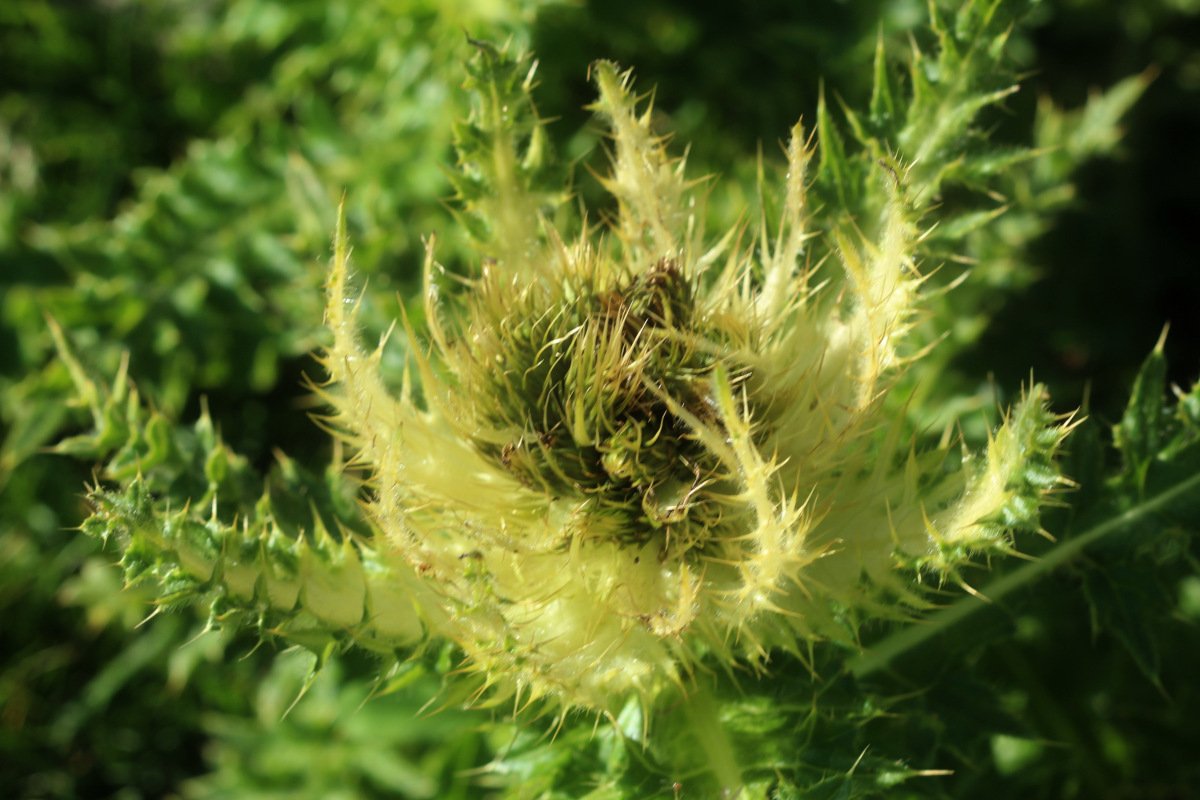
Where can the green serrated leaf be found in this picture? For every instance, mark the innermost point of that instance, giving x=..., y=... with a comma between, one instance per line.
x=1141, y=432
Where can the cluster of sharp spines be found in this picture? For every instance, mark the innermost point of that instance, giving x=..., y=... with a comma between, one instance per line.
x=787, y=475
x=494, y=528
x=315, y=588
x=189, y=522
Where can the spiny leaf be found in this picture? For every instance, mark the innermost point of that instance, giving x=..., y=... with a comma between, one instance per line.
x=1160, y=482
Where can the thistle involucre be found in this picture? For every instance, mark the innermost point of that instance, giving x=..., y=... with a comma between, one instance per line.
x=643, y=448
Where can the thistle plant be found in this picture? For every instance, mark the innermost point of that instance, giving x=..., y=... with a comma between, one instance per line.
x=653, y=462
x=701, y=455
x=640, y=448
x=630, y=449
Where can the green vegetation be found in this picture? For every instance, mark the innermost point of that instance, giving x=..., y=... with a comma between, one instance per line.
x=170, y=182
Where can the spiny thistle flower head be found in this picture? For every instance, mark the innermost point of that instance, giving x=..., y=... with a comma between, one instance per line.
x=642, y=447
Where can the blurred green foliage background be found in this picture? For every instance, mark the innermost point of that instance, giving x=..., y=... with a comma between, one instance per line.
x=169, y=173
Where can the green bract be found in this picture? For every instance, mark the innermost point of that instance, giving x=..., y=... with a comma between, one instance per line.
x=644, y=447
